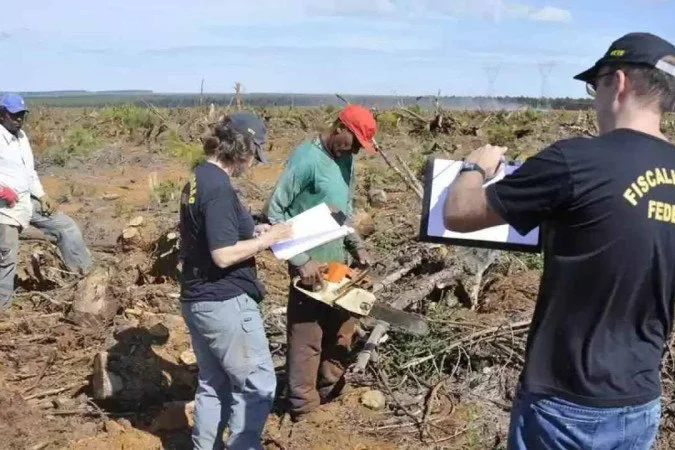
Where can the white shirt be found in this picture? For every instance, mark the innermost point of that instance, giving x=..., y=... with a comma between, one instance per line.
x=17, y=171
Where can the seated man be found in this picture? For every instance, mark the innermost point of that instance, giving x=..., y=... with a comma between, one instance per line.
x=23, y=202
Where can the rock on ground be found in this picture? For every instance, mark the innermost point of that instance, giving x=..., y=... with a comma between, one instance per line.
x=374, y=400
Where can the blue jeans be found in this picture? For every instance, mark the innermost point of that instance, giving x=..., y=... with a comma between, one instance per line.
x=236, y=375
x=66, y=235
x=60, y=229
x=544, y=422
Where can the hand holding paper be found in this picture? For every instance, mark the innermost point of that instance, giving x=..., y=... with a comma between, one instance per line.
x=312, y=228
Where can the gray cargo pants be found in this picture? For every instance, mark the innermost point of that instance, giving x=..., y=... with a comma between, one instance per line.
x=57, y=226
x=236, y=373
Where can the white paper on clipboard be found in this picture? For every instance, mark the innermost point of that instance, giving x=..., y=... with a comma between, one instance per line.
x=439, y=178
x=311, y=228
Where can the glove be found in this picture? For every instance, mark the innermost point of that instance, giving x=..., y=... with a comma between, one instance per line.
x=8, y=196
x=47, y=205
x=363, y=258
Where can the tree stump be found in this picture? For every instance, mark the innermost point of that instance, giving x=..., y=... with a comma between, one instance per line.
x=105, y=383
x=92, y=304
x=130, y=238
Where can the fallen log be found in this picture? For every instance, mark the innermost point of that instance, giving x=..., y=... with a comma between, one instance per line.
x=403, y=301
x=36, y=236
x=476, y=262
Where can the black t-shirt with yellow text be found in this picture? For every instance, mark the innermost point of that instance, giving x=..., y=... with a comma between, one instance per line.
x=605, y=305
x=212, y=217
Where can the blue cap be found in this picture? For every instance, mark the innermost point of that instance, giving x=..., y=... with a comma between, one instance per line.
x=252, y=126
x=13, y=103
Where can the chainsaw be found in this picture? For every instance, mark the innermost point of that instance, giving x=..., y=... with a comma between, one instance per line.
x=347, y=289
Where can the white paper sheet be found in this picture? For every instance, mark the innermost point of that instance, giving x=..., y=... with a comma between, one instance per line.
x=311, y=228
x=444, y=173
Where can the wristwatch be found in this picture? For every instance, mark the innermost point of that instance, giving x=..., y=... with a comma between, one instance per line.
x=467, y=167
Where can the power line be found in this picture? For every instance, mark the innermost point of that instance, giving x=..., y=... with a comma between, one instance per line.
x=491, y=71
x=545, y=69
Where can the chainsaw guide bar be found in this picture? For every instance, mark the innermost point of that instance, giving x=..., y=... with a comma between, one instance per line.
x=346, y=294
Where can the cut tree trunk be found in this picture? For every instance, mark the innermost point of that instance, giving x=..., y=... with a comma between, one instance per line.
x=93, y=304
x=166, y=255
x=130, y=238
x=105, y=383
x=140, y=368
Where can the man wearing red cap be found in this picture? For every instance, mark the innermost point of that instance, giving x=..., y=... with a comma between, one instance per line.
x=320, y=170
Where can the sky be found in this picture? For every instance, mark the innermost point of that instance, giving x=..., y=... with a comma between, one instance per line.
x=387, y=47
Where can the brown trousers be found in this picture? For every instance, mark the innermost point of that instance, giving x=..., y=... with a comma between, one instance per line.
x=319, y=345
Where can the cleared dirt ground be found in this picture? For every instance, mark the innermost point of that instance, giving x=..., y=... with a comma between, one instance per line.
x=106, y=167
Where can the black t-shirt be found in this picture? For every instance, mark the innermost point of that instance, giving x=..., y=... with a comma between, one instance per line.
x=212, y=217
x=604, y=310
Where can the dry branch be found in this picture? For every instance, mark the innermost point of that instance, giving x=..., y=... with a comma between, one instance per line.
x=155, y=111
x=509, y=329
x=395, y=276
x=413, y=180
x=55, y=391
x=414, y=115
x=410, y=184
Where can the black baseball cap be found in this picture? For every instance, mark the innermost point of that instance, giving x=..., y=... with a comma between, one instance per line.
x=635, y=48
x=252, y=126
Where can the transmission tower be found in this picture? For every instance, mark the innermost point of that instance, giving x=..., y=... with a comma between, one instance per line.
x=491, y=72
x=545, y=69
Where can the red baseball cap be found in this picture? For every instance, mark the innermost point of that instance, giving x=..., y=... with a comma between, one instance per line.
x=360, y=122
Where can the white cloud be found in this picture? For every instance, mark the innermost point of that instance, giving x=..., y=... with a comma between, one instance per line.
x=351, y=7
x=495, y=10
x=551, y=14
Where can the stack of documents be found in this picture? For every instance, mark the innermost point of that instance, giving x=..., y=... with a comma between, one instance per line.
x=312, y=228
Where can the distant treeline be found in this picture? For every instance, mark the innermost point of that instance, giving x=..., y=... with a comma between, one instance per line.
x=140, y=98
x=76, y=93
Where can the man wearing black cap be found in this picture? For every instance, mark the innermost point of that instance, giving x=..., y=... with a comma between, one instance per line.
x=607, y=209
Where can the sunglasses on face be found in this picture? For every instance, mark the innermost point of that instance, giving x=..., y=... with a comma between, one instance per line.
x=592, y=86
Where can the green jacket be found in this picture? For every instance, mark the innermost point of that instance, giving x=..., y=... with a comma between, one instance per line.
x=311, y=177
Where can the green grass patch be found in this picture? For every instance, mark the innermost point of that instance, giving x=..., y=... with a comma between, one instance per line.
x=131, y=118
x=387, y=121
x=77, y=144
x=191, y=153
x=166, y=191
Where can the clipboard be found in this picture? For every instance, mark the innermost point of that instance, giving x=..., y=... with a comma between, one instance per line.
x=438, y=176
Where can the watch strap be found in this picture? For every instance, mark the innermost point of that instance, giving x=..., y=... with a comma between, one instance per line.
x=467, y=167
